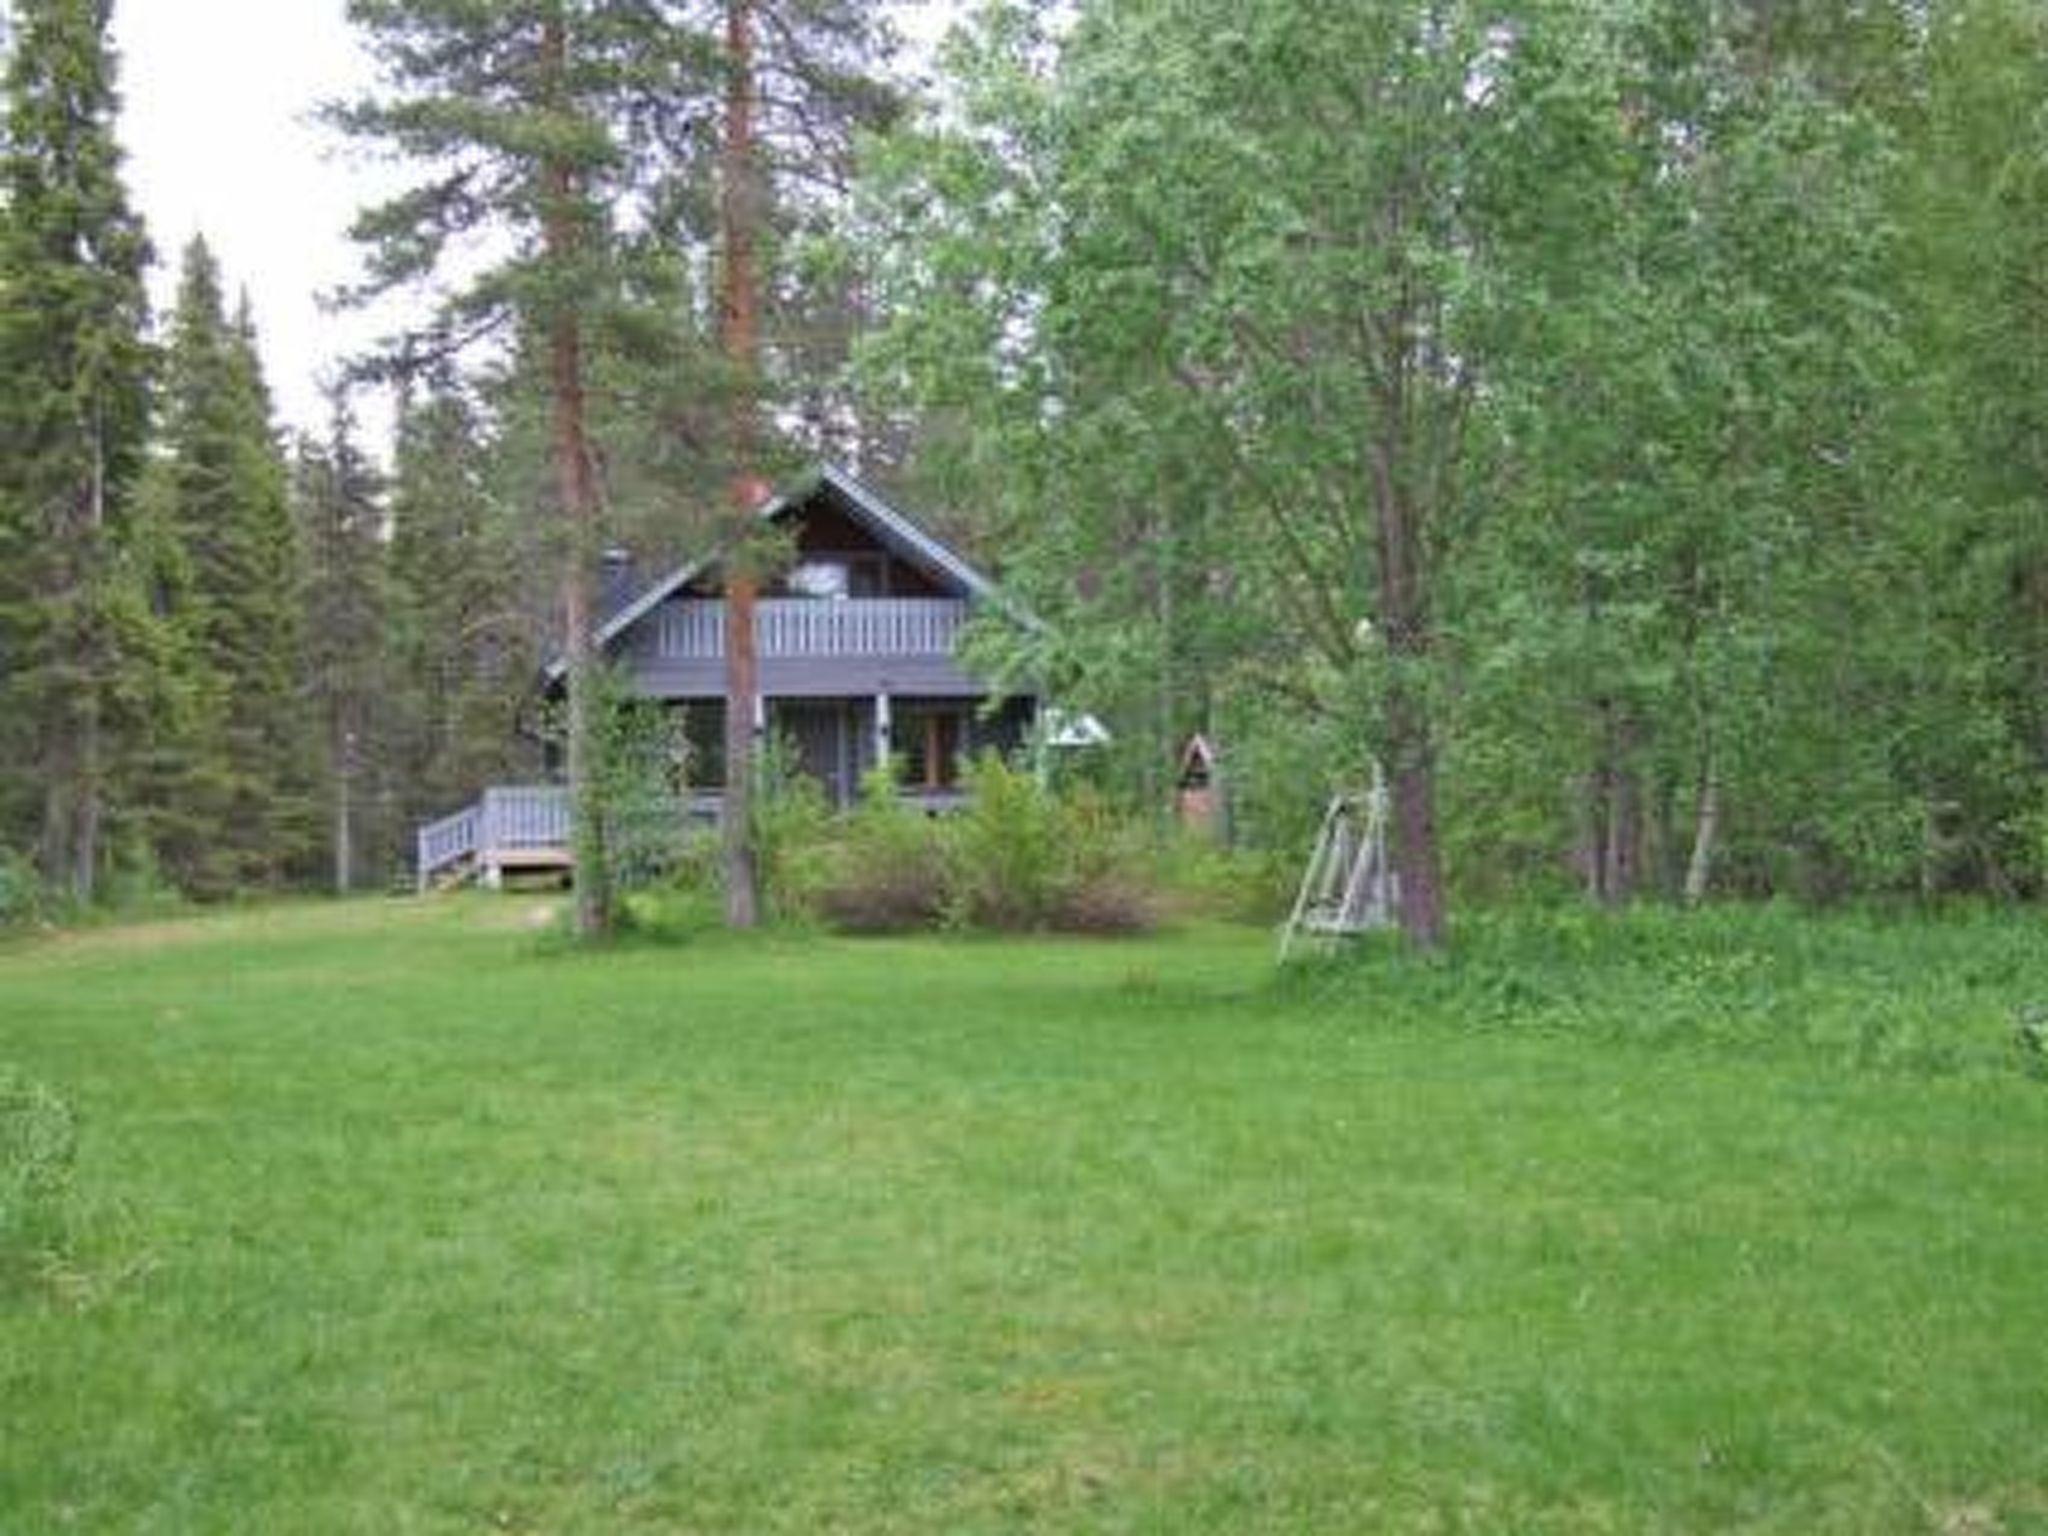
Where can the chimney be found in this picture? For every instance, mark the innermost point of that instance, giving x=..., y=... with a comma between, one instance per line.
x=615, y=581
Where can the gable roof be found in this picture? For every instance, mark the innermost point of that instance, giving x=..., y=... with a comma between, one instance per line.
x=868, y=507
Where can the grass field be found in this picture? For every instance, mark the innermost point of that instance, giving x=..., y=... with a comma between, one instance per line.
x=396, y=1218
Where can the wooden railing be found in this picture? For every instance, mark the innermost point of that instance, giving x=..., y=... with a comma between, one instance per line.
x=694, y=630
x=530, y=819
x=535, y=816
x=445, y=843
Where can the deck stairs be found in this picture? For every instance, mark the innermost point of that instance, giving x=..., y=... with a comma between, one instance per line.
x=510, y=828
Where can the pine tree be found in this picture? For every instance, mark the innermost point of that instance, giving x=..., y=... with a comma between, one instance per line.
x=576, y=127
x=73, y=416
x=530, y=120
x=822, y=55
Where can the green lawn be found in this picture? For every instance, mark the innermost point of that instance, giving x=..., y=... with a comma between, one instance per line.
x=393, y=1218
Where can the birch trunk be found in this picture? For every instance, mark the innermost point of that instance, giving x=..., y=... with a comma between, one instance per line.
x=1411, y=749
x=1699, y=869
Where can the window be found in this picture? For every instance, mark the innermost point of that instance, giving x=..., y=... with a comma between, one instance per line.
x=930, y=739
x=820, y=578
x=838, y=576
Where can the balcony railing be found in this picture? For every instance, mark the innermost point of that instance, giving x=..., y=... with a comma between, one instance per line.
x=694, y=630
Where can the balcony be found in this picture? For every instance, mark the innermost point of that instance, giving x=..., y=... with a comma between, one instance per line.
x=810, y=647
x=804, y=627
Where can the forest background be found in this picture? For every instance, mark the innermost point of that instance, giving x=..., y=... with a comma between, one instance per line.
x=1628, y=422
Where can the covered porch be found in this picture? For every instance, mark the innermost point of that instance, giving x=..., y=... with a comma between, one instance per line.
x=521, y=829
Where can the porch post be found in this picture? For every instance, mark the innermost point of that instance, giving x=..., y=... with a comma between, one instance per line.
x=882, y=731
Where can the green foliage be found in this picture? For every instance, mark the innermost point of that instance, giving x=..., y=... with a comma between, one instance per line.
x=889, y=864
x=345, y=605
x=1891, y=991
x=74, y=404
x=1009, y=859
x=21, y=890
x=1198, y=878
x=241, y=806
x=464, y=636
x=1690, y=342
x=1016, y=858
x=38, y=1146
x=638, y=774
x=791, y=826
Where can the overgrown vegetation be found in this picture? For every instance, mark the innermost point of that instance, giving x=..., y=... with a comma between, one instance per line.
x=1606, y=1223
x=1936, y=992
x=38, y=1143
x=1018, y=857
x=1625, y=421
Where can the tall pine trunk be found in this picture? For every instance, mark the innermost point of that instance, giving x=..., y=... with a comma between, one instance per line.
x=739, y=214
x=570, y=449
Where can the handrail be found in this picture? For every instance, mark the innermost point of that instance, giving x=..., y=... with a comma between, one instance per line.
x=525, y=816
x=443, y=842
x=694, y=629
x=517, y=819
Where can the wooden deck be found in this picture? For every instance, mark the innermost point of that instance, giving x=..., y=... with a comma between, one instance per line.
x=516, y=829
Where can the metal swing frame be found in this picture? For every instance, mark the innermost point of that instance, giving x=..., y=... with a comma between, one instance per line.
x=1349, y=886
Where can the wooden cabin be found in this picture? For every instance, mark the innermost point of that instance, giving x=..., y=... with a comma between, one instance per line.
x=857, y=643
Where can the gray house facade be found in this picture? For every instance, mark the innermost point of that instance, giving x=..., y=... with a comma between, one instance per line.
x=857, y=644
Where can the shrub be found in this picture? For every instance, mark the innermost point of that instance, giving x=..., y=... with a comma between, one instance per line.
x=1106, y=903
x=1199, y=879
x=888, y=867
x=38, y=1140
x=1010, y=859
x=792, y=822
x=1016, y=858
x=21, y=892
x=638, y=753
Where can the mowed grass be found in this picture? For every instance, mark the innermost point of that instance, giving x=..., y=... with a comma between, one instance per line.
x=394, y=1218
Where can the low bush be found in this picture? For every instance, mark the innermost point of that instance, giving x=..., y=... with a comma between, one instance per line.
x=38, y=1140
x=1107, y=903
x=1197, y=878
x=1011, y=859
x=888, y=870
x=21, y=892
x=1017, y=858
x=1936, y=991
x=792, y=836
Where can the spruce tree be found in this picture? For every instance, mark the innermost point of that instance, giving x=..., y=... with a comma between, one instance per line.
x=337, y=499
x=73, y=417
x=462, y=636
x=225, y=493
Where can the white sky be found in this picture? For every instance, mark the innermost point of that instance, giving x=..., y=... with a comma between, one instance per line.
x=217, y=123
x=219, y=97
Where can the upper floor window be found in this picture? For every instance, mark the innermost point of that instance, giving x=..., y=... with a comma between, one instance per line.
x=837, y=577
x=821, y=578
